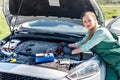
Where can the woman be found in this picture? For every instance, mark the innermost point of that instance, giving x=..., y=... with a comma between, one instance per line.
x=102, y=42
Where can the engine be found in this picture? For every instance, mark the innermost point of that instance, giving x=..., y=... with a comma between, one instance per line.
x=41, y=53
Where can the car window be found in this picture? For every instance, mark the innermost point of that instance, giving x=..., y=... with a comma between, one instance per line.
x=115, y=27
x=116, y=24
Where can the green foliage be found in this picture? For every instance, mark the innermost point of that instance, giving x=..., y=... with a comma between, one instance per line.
x=102, y=2
x=111, y=10
x=4, y=29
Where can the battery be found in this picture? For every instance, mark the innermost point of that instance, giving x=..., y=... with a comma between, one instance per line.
x=44, y=57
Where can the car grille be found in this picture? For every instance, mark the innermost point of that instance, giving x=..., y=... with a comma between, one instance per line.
x=8, y=76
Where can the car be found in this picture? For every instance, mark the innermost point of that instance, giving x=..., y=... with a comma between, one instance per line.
x=37, y=48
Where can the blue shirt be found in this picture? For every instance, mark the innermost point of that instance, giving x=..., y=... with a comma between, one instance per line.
x=101, y=34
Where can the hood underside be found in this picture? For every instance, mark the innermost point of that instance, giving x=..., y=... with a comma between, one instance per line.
x=58, y=8
x=24, y=10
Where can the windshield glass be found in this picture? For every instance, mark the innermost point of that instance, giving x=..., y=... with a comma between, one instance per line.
x=55, y=25
x=115, y=26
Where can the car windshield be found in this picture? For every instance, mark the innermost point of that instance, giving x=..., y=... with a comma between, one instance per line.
x=55, y=26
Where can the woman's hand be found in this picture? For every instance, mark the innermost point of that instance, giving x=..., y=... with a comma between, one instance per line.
x=72, y=45
x=76, y=51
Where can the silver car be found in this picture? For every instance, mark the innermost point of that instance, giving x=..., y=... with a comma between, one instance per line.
x=37, y=47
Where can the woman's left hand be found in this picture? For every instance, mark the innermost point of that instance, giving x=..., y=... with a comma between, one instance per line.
x=76, y=51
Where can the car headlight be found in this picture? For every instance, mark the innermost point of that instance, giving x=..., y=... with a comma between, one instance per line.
x=84, y=70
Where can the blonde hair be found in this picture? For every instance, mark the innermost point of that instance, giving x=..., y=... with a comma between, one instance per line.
x=89, y=13
x=92, y=31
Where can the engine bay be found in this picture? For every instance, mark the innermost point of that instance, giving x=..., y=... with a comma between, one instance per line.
x=48, y=54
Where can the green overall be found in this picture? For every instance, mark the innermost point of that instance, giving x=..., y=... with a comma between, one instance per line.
x=110, y=52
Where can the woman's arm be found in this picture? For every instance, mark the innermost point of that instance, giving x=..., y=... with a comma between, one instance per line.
x=77, y=44
x=96, y=39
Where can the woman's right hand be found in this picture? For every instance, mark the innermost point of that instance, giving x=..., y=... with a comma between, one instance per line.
x=72, y=45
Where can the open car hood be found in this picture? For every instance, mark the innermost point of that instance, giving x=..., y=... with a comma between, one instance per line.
x=24, y=10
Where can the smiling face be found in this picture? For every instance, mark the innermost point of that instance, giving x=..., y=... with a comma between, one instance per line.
x=89, y=20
